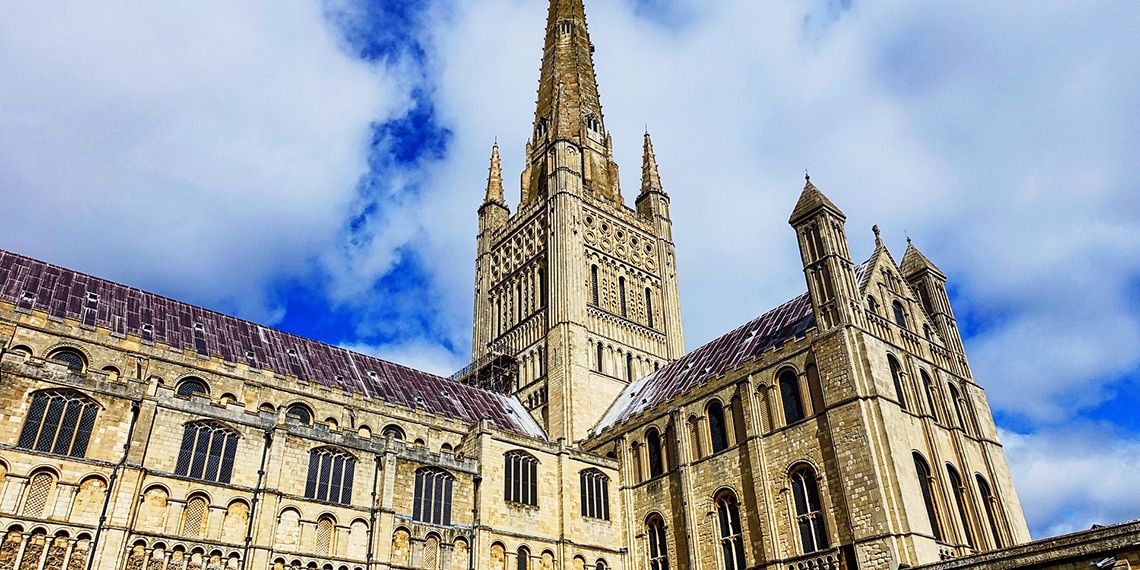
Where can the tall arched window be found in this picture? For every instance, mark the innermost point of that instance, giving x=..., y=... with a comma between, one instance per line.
x=433, y=496
x=956, y=398
x=601, y=356
x=523, y=558
x=896, y=376
x=790, y=397
x=621, y=296
x=872, y=304
x=653, y=450
x=594, y=285
x=959, y=490
x=649, y=307
x=595, y=491
x=927, y=483
x=809, y=513
x=59, y=422
x=635, y=458
x=658, y=546
x=330, y=475
x=931, y=398
x=731, y=540
x=695, y=437
x=207, y=452
x=718, y=436
x=900, y=314
x=195, y=516
x=993, y=510
x=326, y=530
x=39, y=489
x=521, y=481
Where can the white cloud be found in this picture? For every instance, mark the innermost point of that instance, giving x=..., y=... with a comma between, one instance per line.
x=1072, y=480
x=197, y=150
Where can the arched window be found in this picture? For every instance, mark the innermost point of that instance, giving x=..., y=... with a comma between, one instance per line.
x=40, y=487
x=956, y=398
x=790, y=397
x=658, y=546
x=431, y=553
x=635, y=453
x=594, y=285
x=718, y=437
x=326, y=529
x=731, y=541
x=59, y=422
x=926, y=482
x=393, y=431
x=74, y=360
x=872, y=304
x=521, y=481
x=809, y=513
x=649, y=307
x=628, y=367
x=595, y=491
x=931, y=398
x=896, y=376
x=195, y=516
x=207, y=452
x=900, y=314
x=433, y=496
x=601, y=356
x=190, y=386
x=695, y=436
x=815, y=388
x=960, y=499
x=300, y=413
x=653, y=450
x=621, y=296
x=523, y=558
x=330, y=475
x=993, y=510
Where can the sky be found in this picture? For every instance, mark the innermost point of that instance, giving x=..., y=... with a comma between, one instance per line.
x=316, y=166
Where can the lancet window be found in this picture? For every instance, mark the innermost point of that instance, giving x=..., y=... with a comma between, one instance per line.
x=521, y=482
x=595, y=494
x=731, y=541
x=809, y=513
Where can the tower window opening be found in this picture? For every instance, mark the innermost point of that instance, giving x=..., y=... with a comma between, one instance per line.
x=959, y=491
x=790, y=397
x=653, y=448
x=809, y=513
x=594, y=285
x=718, y=438
x=900, y=315
x=896, y=376
x=658, y=547
x=564, y=26
x=629, y=367
x=731, y=543
x=649, y=307
x=601, y=356
x=621, y=295
x=926, y=482
x=992, y=510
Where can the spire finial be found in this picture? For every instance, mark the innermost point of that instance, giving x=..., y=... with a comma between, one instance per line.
x=495, y=178
x=650, y=178
x=878, y=239
x=908, y=242
x=807, y=176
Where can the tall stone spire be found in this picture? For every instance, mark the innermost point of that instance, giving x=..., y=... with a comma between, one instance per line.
x=567, y=88
x=650, y=178
x=495, y=179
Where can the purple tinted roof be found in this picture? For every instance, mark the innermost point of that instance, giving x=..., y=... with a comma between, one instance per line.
x=790, y=320
x=32, y=284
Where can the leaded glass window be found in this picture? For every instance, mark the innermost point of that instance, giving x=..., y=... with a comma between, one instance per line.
x=521, y=482
x=731, y=541
x=59, y=422
x=595, y=494
x=809, y=513
x=330, y=476
x=433, y=496
x=207, y=452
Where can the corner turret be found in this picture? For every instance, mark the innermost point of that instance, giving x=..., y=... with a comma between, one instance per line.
x=929, y=284
x=826, y=258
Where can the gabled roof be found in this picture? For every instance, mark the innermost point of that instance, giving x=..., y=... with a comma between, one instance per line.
x=788, y=321
x=34, y=285
x=812, y=199
x=914, y=261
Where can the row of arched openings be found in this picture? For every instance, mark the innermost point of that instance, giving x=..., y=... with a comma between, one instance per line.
x=36, y=549
x=966, y=531
x=963, y=410
x=38, y=498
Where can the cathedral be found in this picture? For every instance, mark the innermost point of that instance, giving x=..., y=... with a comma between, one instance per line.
x=841, y=430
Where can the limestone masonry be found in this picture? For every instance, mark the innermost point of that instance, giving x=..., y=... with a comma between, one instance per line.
x=841, y=430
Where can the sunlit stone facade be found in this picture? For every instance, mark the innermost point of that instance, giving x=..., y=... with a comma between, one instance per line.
x=841, y=430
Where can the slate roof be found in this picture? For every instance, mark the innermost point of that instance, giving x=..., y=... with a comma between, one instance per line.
x=788, y=321
x=31, y=284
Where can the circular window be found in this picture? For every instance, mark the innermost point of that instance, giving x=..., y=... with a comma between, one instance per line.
x=299, y=413
x=191, y=386
x=74, y=361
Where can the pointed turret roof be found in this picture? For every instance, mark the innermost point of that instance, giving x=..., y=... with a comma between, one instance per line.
x=650, y=178
x=495, y=179
x=567, y=88
x=914, y=262
x=811, y=200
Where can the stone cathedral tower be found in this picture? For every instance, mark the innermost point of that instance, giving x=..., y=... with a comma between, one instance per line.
x=576, y=286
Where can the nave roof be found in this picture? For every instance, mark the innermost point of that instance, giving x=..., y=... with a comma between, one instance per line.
x=30, y=284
